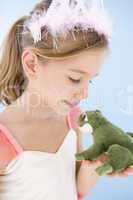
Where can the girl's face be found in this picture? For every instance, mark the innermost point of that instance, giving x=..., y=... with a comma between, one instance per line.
x=62, y=83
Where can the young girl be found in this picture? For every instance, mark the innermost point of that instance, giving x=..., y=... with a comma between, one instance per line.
x=43, y=78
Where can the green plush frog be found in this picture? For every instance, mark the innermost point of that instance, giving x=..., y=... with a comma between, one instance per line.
x=108, y=139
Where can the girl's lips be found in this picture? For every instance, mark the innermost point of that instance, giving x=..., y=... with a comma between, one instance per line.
x=72, y=104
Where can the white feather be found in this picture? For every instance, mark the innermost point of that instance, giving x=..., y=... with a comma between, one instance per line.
x=62, y=16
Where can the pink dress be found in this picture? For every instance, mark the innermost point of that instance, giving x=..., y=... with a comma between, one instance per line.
x=38, y=175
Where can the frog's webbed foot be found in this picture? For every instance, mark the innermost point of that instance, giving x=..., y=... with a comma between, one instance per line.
x=104, y=169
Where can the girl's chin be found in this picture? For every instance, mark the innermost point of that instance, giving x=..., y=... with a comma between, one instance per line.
x=64, y=109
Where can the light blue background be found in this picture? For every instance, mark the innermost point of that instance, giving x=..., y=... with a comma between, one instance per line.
x=112, y=91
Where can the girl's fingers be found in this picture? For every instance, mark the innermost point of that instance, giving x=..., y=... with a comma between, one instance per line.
x=118, y=174
x=111, y=175
x=91, y=164
x=129, y=171
x=101, y=159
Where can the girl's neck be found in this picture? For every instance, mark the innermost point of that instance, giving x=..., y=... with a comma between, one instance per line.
x=26, y=108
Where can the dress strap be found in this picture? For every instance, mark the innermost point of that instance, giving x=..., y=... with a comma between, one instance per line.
x=10, y=139
x=72, y=117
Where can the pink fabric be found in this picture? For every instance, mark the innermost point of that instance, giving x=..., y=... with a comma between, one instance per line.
x=11, y=140
x=80, y=197
x=7, y=151
x=73, y=116
x=9, y=148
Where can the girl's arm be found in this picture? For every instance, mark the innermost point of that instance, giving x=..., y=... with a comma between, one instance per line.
x=86, y=177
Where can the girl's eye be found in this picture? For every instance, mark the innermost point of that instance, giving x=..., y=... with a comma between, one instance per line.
x=74, y=80
x=78, y=80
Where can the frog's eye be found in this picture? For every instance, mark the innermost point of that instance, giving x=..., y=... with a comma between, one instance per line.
x=83, y=116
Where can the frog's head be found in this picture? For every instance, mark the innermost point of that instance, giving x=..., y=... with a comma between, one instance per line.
x=94, y=118
x=83, y=119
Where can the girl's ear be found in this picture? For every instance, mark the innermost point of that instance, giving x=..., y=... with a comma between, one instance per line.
x=30, y=63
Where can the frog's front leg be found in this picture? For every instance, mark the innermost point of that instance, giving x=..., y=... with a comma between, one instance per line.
x=91, y=153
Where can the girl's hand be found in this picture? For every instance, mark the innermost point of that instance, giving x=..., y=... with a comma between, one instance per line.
x=128, y=171
x=93, y=164
x=100, y=160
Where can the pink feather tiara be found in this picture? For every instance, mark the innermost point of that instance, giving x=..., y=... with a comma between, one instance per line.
x=63, y=15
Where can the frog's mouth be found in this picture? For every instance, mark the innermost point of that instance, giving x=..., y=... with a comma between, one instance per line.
x=90, y=128
x=84, y=117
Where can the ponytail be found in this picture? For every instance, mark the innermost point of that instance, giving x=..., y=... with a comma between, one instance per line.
x=12, y=78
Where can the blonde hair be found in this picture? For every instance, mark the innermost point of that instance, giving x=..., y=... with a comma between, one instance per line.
x=13, y=81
